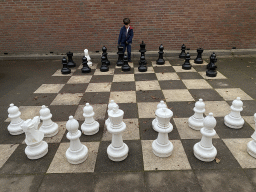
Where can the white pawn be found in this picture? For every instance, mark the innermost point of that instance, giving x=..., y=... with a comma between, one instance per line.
x=77, y=152
x=251, y=145
x=159, y=106
x=90, y=126
x=162, y=147
x=196, y=121
x=36, y=147
x=204, y=150
x=111, y=105
x=86, y=54
x=14, y=127
x=49, y=128
x=117, y=150
x=234, y=119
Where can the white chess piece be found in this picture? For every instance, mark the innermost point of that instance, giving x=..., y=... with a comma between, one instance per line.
x=111, y=105
x=159, y=106
x=117, y=150
x=234, y=119
x=36, y=147
x=251, y=145
x=14, y=127
x=86, y=54
x=48, y=127
x=162, y=147
x=77, y=152
x=196, y=121
x=90, y=126
x=204, y=150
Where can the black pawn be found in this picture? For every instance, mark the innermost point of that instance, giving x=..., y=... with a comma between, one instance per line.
x=65, y=69
x=199, y=59
x=120, y=53
x=126, y=66
x=104, y=50
x=211, y=72
x=71, y=63
x=143, y=50
x=104, y=67
x=183, y=53
x=160, y=60
x=215, y=60
x=86, y=68
x=142, y=67
x=187, y=65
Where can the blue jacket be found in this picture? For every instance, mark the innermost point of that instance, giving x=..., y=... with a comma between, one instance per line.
x=122, y=36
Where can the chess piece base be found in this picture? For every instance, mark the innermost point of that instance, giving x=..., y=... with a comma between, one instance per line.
x=204, y=154
x=195, y=123
x=65, y=71
x=104, y=69
x=160, y=62
x=162, y=150
x=77, y=157
x=15, y=129
x=198, y=61
x=211, y=73
x=251, y=148
x=126, y=68
x=71, y=64
x=117, y=154
x=90, y=129
x=142, y=68
x=37, y=151
x=186, y=66
x=235, y=123
x=86, y=70
x=49, y=131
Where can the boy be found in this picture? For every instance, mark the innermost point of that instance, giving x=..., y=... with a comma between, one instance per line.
x=125, y=37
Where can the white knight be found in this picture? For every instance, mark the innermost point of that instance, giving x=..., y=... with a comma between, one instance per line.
x=86, y=54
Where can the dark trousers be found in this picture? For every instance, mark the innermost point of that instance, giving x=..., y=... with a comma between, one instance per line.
x=129, y=49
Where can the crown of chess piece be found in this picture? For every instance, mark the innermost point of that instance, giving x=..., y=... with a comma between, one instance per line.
x=111, y=105
x=160, y=60
x=183, y=53
x=86, y=68
x=204, y=150
x=159, y=106
x=14, y=127
x=211, y=71
x=126, y=66
x=71, y=63
x=251, y=145
x=65, y=69
x=196, y=121
x=214, y=61
x=104, y=50
x=90, y=126
x=199, y=59
x=120, y=53
x=86, y=54
x=142, y=67
x=36, y=147
x=103, y=67
x=234, y=119
x=187, y=65
x=143, y=51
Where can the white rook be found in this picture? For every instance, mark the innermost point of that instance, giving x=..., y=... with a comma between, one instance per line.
x=159, y=106
x=14, y=127
x=196, y=121
x=251, y=146
x=90, y=126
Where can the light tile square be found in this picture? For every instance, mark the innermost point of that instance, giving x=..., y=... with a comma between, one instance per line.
x=67, y=99
x=58, y=73
x=150, y=70
x=147, y=109
x=177, y=95
x=147, y=85
x=219, y=76
x=179, y=69
x=94, y=66
x=60, y=164
x=250, y=120
x=123, y=97
x=218, y=108
x=99, y=110
x=177, y=161
x=185, y=131
x=131, y=132
x=27, y=112
x=166, y=64
x=192, y=62
x=129, y=63
x=79, y=79
x=49, y=88
x=110, y=72
x=99, y=87
x=123, y=78
x=238, y=148
x=167, y=76
x=233, y=93
x=6, y=151
x=196, y=84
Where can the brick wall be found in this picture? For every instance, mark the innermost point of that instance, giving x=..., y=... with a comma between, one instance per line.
x=42, y=26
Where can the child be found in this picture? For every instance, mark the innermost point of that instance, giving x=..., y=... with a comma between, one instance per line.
x=125, y=37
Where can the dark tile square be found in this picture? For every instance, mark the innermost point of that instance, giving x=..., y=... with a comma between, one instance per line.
x=133, y=162
x=205, y=94
x=95, y=98
x=148, y=133
x=7, y=138
x=181, y=109
x=56, y=79
x=189, y=75
x=200, y=68
x=18, y=163
x=123, y=86
x=79, y=72
x=177, y=62
x=166, y=69
x=220, y=83
x=74, y=88
x=145, y=77
x=225, y=132
x=38, y=99
x=172, y=84
x=227, y=160
x=101, y=78
x=112, y=65
x=119, y=71
x=149, y=96
x=62, y=112
x=251, y=174
x=130, y=110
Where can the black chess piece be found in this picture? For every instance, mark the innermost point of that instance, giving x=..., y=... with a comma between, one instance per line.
x=71, y=63
x=199, y=59
x=160, y=60
x=126, y=66
x=215, y=60
x=103, y=67
x=183, y=53
x=211, y=71
x=65, y=69
x=86, y=68
x=120, y=53
x=187, y=65
x=104, y=50
x=142, y=67
x=143, y=50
